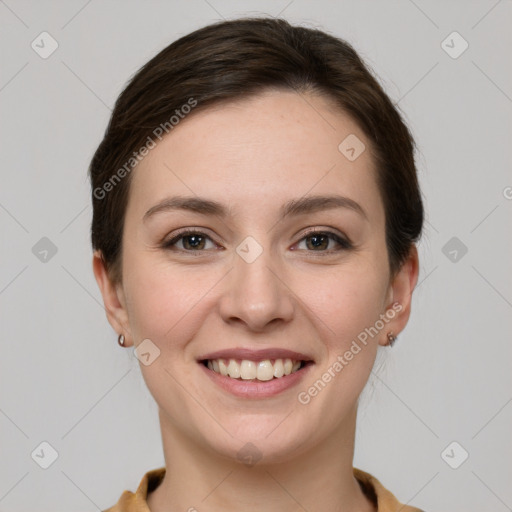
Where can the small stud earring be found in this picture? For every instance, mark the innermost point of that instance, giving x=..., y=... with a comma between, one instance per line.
x=120, y=340
x=391, y=339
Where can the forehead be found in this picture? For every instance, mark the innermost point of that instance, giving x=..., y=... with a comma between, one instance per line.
x=257, y=153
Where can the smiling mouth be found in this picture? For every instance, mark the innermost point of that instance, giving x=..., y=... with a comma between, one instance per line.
x=264, y=370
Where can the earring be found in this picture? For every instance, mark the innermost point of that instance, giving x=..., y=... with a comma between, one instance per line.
x=391, y=339
x=120, y=340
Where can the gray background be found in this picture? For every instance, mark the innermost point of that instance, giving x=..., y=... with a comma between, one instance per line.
x=64, y=379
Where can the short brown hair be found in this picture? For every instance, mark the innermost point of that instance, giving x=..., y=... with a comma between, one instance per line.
x=234, y=59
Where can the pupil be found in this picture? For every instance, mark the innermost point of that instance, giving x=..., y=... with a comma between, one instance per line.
x=194, y=241
x=316, y=240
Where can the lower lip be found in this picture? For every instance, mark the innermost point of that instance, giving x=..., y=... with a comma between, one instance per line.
x=256, y=388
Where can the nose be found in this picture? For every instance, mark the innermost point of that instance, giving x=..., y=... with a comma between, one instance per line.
x=256, y=294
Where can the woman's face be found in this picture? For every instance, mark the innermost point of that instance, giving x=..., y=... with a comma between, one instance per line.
x=250, y=283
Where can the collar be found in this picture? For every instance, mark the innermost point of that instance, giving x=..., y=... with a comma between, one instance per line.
x=384, y=500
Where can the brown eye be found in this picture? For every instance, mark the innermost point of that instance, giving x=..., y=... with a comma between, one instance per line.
x=321, y=241
x=190, y=241
x=317, y=241
x=193, y=242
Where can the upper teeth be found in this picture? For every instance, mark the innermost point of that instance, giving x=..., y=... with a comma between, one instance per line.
x=247, y=370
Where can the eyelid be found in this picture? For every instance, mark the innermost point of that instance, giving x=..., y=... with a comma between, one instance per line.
x=168, y=242
x=325, y=230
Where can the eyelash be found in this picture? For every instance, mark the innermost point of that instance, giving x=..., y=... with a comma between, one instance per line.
x=344, y=243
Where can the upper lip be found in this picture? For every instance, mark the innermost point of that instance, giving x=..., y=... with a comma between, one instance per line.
x=256, y=355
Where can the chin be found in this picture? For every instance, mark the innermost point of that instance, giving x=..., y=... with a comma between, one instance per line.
x=263, y=442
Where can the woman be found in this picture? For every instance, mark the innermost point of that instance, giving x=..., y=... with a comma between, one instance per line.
x=256, y=210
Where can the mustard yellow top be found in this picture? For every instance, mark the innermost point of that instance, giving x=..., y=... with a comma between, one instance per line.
x=373, y=489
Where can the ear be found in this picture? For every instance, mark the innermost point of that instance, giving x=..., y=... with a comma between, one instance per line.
x=113, y=298
x=400, y=295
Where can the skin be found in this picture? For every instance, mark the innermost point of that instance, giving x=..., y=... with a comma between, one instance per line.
x=254, y=155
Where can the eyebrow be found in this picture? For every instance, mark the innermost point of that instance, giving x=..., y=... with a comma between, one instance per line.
x=295, y=207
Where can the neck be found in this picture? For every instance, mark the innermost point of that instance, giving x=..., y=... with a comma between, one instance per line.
x=320, y=479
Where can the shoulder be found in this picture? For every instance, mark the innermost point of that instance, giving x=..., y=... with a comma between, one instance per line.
x=384, y=500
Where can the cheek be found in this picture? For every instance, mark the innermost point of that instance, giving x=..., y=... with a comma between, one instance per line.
x=164, y=302
x=348, y=300
x=351, y=307
x=344, y=305
x=349, y=310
